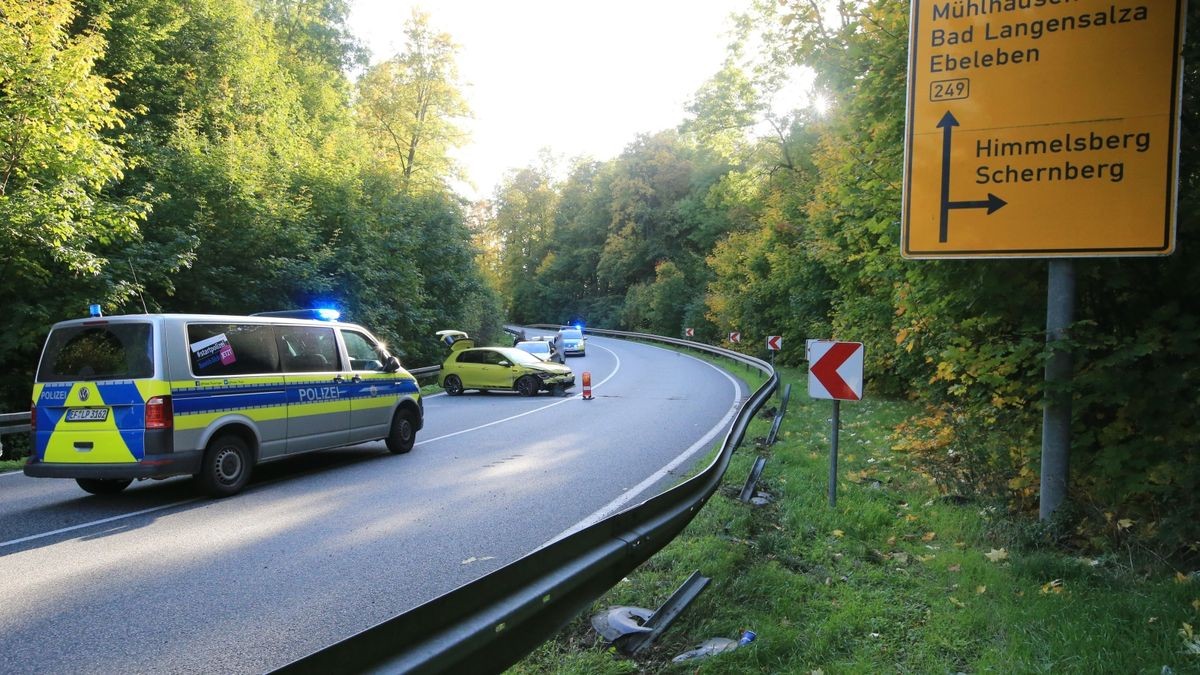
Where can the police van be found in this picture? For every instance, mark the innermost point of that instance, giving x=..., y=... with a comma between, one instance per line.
x=129, y=397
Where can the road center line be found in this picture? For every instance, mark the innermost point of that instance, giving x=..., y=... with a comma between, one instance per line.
x=619, y=503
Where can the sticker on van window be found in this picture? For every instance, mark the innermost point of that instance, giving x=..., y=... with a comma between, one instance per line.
x=213, y=350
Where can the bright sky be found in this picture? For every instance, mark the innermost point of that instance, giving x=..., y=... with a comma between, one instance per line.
x=580, y=78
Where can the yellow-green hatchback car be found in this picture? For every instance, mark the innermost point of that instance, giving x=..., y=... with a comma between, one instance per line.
x=499, y=368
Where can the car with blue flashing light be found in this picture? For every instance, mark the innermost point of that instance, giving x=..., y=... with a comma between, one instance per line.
x=131, y=397
x=498, y=369
x=573, y=341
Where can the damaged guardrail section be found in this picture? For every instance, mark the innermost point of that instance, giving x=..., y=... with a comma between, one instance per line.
x=494, y=621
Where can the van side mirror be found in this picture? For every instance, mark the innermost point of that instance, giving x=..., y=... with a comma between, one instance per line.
x=391, y=365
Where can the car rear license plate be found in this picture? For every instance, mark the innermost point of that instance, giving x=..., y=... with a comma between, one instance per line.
x=87, y=414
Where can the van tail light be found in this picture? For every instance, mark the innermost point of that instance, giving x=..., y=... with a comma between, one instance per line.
x=159, y=414
x=32, y=418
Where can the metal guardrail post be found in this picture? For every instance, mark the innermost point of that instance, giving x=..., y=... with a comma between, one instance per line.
x=752, y=480
x=662, y=619
x=778, y=421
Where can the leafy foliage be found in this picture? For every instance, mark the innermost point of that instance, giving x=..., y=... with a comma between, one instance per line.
x=61, y=138
x=203, y=156
x=408, y=106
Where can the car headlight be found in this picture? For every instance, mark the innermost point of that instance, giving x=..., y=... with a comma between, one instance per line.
x=545, y=376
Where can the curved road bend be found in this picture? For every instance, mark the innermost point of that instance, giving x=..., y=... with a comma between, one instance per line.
x=323, y=546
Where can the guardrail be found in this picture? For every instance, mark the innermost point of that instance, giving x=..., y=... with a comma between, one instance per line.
x=12, y=423
x=424, y=372
x=490, y=623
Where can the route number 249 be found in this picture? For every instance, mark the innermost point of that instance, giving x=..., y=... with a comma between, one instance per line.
x=949, y=90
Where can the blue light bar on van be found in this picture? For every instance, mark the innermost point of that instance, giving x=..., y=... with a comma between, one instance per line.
x=94, y=310
x=322, y=314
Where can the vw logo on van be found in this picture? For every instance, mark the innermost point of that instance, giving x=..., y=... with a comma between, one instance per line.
x=84, y=393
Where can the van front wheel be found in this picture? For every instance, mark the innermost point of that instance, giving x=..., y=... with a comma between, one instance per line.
x=403, y=433
x=102, y=486
x=226, y=466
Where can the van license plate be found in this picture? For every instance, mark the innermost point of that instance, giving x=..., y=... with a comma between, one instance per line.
x=87, y=414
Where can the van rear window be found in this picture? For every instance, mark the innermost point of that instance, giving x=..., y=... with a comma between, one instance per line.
x=224, y=349
x=112, y=351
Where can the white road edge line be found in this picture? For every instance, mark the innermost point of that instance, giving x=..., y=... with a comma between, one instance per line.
x=93, y=523
x=634, y=492
x=123, y=516
x=530, y=412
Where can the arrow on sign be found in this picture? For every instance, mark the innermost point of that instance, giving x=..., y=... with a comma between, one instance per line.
x=826, y=370
x=688, y=332
x=735, y=337
x=774, y=342
x=992, y=203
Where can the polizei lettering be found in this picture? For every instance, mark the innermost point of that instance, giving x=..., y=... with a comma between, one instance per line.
x=314, y=394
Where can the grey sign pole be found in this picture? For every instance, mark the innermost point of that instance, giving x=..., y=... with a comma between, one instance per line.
x=777, y=393
x=833, y=452
x=1056, y=416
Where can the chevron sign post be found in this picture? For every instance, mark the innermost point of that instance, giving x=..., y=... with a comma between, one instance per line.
x=689, y=332
x=835, y=371
x=735, y=337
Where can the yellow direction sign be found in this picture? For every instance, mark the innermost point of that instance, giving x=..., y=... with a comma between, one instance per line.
x=1042, y=128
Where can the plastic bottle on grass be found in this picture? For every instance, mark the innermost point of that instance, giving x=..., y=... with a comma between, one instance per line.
x=714, y=646
x=710, y=647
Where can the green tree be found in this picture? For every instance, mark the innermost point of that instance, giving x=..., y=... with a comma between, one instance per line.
x=55, y=159
x=524, y=225
x=410, y=105
x=58, y=162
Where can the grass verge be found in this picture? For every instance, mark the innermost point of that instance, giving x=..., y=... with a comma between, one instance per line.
x=895, y=578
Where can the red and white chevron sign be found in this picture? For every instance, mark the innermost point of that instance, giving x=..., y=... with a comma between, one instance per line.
x=735, y=337
x=775, y=342
x=689, y=332
x=835, y=370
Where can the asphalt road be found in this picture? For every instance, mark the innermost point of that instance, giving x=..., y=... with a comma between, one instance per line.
x=322, y=546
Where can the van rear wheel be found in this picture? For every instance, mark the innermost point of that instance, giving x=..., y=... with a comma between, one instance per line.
x=103, y=486
x=403, y=433
x=226, y=466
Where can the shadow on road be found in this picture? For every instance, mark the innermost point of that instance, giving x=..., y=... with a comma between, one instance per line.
x=69, y=513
